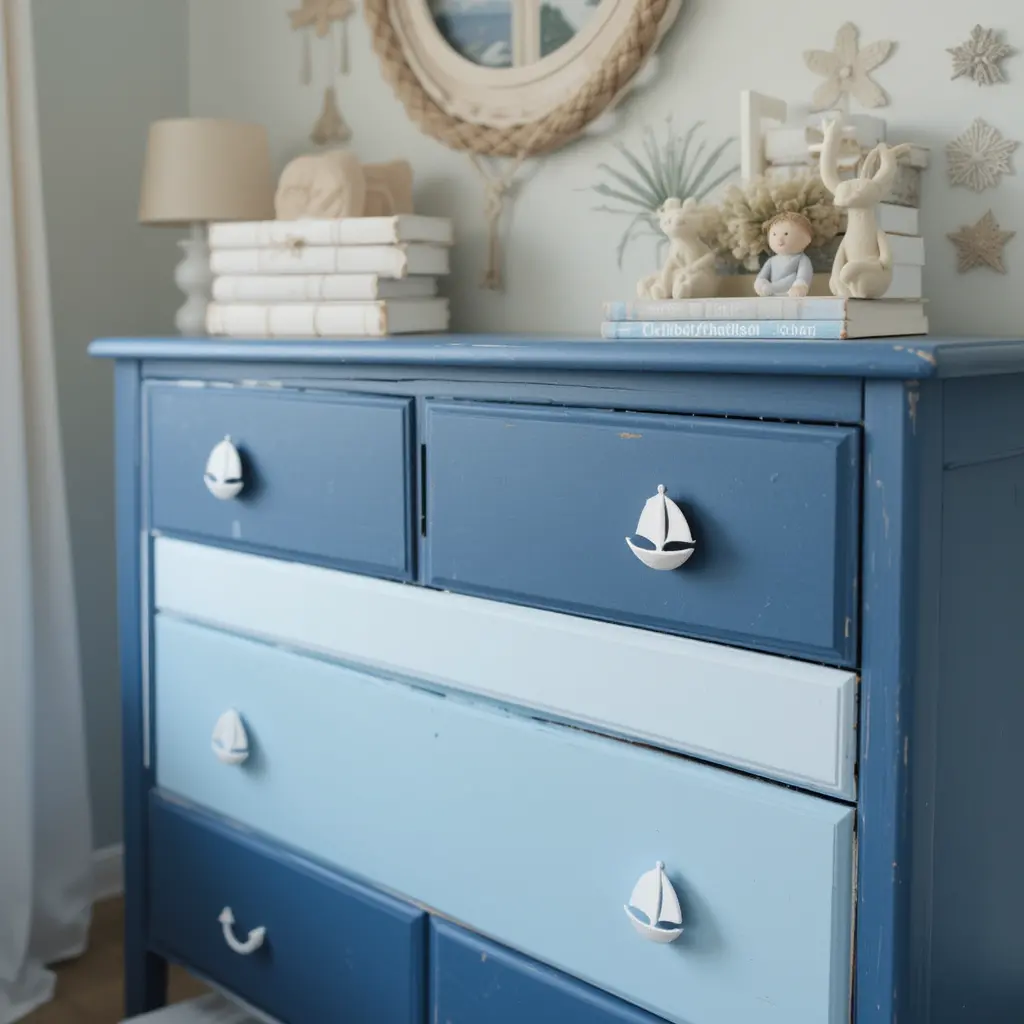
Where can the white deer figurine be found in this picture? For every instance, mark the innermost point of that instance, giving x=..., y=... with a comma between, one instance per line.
x=863, y=265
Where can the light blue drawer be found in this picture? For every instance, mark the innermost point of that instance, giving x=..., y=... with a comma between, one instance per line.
x=534, y=506
x=327, y=478
x=532, y=834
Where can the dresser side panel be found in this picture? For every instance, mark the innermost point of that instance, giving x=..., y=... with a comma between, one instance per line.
x=984, y=419
x=976, y=969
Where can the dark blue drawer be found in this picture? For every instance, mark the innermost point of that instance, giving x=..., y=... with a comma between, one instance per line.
x=331, y=951
x=535, y=506
x=475, y=981
x=326, y=478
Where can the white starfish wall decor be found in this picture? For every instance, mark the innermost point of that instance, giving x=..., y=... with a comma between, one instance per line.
x=981, y=244
x=845, y=69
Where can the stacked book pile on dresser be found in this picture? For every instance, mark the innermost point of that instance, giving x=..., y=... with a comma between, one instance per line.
x=777, y=318
x=347, y=277
x=792, y=151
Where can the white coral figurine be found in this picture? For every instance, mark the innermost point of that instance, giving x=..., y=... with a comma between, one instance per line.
x=689, y=269
x=863, y=265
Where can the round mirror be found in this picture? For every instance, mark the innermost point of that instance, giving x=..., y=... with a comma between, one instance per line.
x=513, y=77
x=510, y=33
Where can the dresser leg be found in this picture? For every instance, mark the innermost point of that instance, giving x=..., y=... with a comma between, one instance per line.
x=145, y=980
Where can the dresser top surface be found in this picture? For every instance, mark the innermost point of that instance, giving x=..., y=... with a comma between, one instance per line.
x=899, y=358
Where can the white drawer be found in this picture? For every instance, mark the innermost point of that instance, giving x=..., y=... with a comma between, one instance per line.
x=771, y=716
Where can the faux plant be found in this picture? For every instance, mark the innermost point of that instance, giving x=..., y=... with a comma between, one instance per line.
x=745, y=210
x=664, y=169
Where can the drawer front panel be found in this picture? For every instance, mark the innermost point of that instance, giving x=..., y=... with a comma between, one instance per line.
x=326, y=477
x=476, y=981
x=331, y=950
x=535, y=505
x=777, y=717
x=532, y=834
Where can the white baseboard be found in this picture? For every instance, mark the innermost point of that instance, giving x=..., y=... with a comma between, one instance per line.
x=108, y=872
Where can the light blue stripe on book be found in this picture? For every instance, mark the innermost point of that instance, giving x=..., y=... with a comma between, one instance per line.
x=699, y=330
x=766, y=307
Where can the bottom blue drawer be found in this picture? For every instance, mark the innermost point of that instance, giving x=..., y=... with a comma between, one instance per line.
x=304, y=945
x=477, y=982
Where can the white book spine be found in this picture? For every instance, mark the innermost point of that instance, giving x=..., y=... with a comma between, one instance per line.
x=393, y=261
x=339, y=231
x=305, y=320
x=899, y=220
x=907, y=249
x=324, y=320
x=233, y=288
x=907, y=282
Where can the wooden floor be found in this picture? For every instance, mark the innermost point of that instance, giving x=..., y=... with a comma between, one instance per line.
x=89, y=990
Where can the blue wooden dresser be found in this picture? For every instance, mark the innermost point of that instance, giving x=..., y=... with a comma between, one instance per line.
x=514, y=681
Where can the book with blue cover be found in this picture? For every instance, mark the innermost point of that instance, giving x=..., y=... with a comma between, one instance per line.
x=697, y=330
x=772, y=317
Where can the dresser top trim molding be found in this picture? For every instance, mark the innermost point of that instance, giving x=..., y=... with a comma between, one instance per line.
x=898, y=358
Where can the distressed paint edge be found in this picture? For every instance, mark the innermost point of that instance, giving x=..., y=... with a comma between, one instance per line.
x=903, y=451
x=145, y=986
x=905, y=358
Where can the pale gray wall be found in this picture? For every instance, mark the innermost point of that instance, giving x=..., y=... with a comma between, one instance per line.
x=245, y=62
x=106, y=68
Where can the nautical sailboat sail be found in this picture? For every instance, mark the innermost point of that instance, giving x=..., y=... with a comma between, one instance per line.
x=646, y=896
x=678, y=531
x=670, y=913
x=653, y=525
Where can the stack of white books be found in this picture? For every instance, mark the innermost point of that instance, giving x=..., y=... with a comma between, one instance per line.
x=792, y=151
x=346, y=277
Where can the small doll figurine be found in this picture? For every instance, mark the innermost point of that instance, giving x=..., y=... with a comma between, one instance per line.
x=789, y=271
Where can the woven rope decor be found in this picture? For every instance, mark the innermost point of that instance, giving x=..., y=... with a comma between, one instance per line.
x=646, y=24
x=564, y=123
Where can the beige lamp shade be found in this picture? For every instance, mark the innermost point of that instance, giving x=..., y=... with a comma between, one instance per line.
x=206, y=169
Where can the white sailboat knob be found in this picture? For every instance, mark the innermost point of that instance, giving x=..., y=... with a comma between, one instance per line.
x=230, y=741
x=653, y=907
x=223, y=476
x=663, y=524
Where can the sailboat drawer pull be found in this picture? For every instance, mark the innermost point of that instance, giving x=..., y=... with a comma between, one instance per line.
x=243, y=948
x=223, y=476
x=663, y=524
x=230, y=741
x=654, y=907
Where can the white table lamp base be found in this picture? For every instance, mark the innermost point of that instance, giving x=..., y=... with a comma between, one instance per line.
x=194, y=278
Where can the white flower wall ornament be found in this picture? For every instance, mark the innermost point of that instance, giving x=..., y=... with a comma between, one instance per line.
x=980, y=157
x=846, y=68
x=979, y=58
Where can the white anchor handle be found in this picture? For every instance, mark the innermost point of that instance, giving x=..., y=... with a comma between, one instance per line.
x=251, y=944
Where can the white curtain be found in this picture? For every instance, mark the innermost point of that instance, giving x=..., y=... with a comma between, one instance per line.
x=45, y=831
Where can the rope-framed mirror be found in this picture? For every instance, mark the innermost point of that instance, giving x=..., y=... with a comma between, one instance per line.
x=512, y=78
